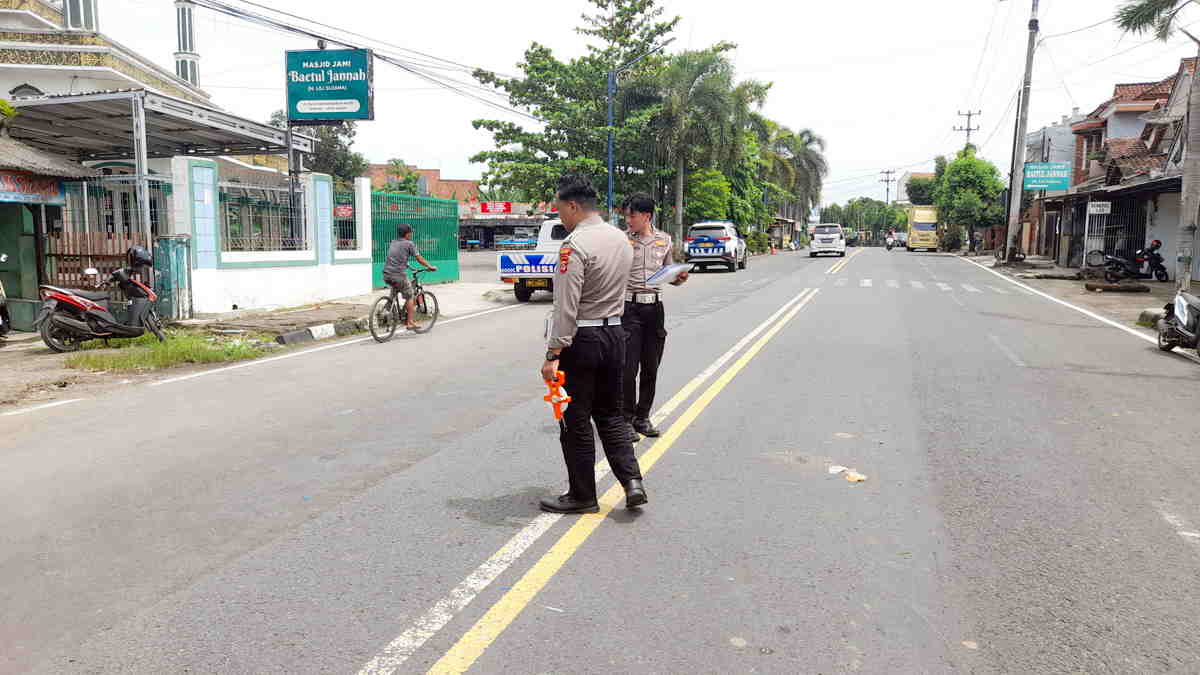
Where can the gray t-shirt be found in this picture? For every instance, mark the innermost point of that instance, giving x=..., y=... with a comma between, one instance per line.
x=399, y=252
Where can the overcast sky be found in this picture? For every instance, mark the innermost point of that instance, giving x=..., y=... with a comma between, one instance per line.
x=880, y=80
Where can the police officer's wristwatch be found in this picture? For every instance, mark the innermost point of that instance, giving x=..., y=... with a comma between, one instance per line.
x=551, y=356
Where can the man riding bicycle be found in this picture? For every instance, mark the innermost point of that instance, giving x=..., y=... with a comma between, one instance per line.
x=394, y=270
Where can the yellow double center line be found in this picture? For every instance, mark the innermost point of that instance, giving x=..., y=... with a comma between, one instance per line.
x=841, y=264
x=471, y=645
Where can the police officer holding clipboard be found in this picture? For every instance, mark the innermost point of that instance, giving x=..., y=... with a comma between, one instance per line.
x=644, y=318
x=587, y=343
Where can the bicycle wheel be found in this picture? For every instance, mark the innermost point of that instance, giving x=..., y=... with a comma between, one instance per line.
x=426, y=312
x=382, y=320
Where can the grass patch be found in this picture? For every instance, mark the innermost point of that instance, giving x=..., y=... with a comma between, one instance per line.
x=147, y=353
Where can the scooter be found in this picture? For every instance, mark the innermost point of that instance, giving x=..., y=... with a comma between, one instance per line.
x=890, y=243
x=1116, y=269
x=70, y=317
x=1180, y=326
x=5, y=319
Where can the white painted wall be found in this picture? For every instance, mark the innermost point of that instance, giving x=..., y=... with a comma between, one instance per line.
x=218, y=290
x=1164, y=225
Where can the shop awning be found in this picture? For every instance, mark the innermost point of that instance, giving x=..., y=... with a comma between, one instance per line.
x=104, y=125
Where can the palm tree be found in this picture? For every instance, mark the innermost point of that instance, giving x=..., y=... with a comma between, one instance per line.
x=694, y=112
x=808, y=158
x=1161, y=17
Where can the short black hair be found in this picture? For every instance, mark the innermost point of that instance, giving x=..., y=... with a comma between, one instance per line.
x=403, y=229
x=573, y=187
x=640, y=202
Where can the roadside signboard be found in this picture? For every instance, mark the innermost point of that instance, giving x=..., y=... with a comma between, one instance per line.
x=27, y=188
x=343, y=211
x=1047, y=176
x=330, y=85
x=495, y=207
x=1099, y=208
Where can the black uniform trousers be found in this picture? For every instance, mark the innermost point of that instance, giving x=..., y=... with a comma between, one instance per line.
x=646, y=327
x=594, y=365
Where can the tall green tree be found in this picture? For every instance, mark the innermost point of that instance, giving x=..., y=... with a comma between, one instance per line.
x=694, y=112
x=1163, y=18
x=968, y=193
x=708, y=195
x=920, y=190
x=401, y=179
x=570, y=98
x=333, y=153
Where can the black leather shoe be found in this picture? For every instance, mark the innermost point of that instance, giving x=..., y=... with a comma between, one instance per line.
x=568, y=504
x=635, y=494
x=643, y=427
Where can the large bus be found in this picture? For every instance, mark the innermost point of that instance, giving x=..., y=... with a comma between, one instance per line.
x=922, y=228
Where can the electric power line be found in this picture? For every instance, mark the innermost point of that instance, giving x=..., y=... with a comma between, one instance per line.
x=983, y=52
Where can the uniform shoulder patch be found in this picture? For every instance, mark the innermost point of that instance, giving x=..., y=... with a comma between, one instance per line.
x=564, y=259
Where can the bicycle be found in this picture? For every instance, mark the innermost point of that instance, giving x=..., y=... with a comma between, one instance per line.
x=389, y=311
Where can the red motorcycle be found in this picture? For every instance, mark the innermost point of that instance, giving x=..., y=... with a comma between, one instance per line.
x=70, y=317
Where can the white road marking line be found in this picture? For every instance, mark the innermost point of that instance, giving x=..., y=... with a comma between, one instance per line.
x=1182, y=527
x=999, y=290
x=970, y=288
x=43, y=406
x=314, y=350
x=957, y=300
x=865, y=283
x=1016, y=360
x=1085, y=312
x=892, y=283
x=436, y=617
x=917, y=285
x=944, y=286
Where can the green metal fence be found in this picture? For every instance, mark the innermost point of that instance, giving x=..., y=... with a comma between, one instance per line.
x=435, y=232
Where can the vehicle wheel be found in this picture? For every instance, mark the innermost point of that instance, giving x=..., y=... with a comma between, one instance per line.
x=523, y=292
x=811, y=254
x=155, y=325
x=427, y=312
x=732, y=268
x=1111, y=277
x=841, y=254
x=1163, y=343
x=745, y=261
x=1161, y=274
x=383, y=319
x=56, y=337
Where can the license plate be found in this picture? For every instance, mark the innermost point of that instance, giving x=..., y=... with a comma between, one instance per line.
x=705, y=245
x=537, y=283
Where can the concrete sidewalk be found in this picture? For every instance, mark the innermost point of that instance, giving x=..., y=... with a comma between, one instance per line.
x=1125, y=308
x=345, y=316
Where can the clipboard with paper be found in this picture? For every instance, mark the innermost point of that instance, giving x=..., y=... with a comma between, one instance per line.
x=667, y=274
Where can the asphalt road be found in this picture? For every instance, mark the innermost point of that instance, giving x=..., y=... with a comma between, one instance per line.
x=1030, y=502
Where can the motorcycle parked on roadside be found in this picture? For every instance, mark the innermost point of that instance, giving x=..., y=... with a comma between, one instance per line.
x=70, y=317
x=1117, y=269
x=1180, y=326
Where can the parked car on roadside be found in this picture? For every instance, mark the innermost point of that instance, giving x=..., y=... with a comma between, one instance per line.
x=827, y=238
x=716, y=242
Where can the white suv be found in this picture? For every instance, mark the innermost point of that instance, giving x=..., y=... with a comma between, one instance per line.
x=716, y=242
x=827, y=238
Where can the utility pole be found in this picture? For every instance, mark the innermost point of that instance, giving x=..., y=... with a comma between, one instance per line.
x=887, y=180
x=968, y=128
x=1017, y=177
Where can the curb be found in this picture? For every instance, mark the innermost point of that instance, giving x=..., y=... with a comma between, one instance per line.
x=322, y=331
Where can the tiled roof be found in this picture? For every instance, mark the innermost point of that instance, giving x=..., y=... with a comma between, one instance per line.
x=1118, y=148
x=1134, y=165
x=921, y=175
x=1131, y=90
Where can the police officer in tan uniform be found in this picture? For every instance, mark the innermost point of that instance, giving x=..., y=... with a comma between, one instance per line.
x=587, y=343
x=644, y=318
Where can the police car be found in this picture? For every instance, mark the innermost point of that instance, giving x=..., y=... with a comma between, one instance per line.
x=530, y=271
x=716, y=242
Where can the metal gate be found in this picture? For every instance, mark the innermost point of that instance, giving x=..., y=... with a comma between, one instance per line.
x=435, y=232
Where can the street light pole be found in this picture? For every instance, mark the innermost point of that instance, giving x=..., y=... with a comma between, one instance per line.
x=612, y=91
x=1017, y=176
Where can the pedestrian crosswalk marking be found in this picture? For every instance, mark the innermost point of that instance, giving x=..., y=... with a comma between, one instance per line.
x=917, y=285
x=944, y=286
x=971, y=288
x=865, y=283
x=999, y=290
x=892, y=283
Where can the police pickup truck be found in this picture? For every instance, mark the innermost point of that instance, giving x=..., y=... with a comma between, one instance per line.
x=533, y=270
